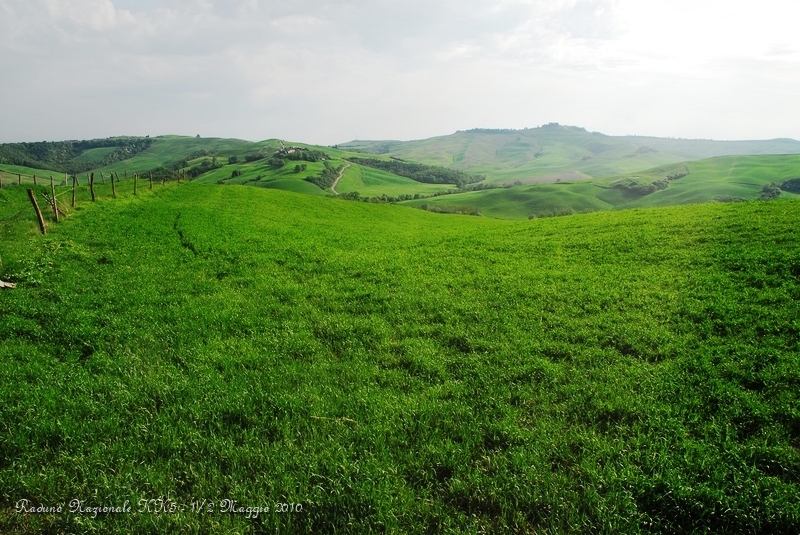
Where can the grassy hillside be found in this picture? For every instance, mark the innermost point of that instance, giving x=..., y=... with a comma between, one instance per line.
x=389, y=369
x=167, y=150
x=740, y=177
x=541, y=200
x=73, y=156
x=553, y=152
x=188, y=152
x=373, y=182
x=14, y=174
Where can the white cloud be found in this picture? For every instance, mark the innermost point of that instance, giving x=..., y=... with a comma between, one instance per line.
x=97, y=15
x=325, y=71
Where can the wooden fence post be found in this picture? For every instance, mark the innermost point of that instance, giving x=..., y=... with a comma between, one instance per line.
x=19, y=179
x=32, y=197
x=1, y=180
x=103, y=178
x=126, y=174
x=34, y=180
x=151, y=181
x=74, y=185
x=91, y=186
x=65, y=179
x=113, y=186
x=53, y=196
x=135, y=180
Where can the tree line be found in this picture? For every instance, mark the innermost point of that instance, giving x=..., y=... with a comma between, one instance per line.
x=633, y=187
x=302, y=154
x=428, y=174
x=327, y=177
x=60, y=155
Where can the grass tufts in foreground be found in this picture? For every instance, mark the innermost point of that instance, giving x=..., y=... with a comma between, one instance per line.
x=394, y=370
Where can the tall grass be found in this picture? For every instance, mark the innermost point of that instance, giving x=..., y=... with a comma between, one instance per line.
x=393, y=370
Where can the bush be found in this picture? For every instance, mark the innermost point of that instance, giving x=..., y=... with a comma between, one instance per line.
x=297, y=153
x=792, y=185
x=428, y=174
x=770, y=192
x=327, y=177
x=633, y=187
x=204, y=166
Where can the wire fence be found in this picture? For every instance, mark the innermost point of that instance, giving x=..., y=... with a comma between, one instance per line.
x=53, y=190
x=10, y=177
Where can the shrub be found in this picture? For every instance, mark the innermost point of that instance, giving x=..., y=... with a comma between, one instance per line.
x=769, y=192
x=792, y=185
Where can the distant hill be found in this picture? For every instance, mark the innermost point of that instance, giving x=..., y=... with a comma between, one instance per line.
x=134, y=154
x=72, y=156
x=552, y=152
x=549, y=170
x=723, y=178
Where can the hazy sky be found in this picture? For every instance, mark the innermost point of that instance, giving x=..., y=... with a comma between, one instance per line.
x=330, y=71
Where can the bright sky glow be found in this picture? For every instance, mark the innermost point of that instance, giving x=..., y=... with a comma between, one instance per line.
x=330, y=71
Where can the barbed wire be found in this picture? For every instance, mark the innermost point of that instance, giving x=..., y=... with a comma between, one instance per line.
x=24, y=204
x=61, y=183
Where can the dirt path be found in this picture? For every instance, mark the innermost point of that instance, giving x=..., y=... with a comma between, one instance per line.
x=336, y=182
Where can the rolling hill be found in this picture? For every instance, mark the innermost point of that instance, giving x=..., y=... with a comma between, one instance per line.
x=552, y=152
x=726, y=178
x=548, y=170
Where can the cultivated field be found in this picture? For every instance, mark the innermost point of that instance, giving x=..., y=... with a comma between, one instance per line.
x=725, y=178
x=375, y=368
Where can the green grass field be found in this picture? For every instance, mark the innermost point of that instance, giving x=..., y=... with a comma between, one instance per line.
x=370, y=182
x=523, y=158
x=166, y=150
x=393, y=370
x=732, y=176
x=547, y=153
x=93, y=155
x=741, y=176
x=14, y=174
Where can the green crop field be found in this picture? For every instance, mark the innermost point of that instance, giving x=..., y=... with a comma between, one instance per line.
x=13, y=174
x=370, y=182
x=705, y=180
x=554, y=151
x=169, y=149
x=518, y=159
x=347, y=367
x=741, y=176
x=93, y=155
